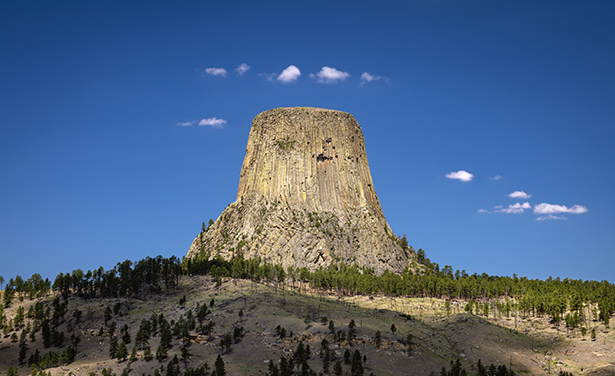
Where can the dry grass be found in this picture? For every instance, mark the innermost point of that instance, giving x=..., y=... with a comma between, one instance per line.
x=530, y=346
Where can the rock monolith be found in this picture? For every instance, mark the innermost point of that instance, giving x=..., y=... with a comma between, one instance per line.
x=305, y=198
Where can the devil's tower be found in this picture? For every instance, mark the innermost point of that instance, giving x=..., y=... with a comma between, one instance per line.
x=306, y=197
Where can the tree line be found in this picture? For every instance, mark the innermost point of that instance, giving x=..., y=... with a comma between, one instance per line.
x=148, y=276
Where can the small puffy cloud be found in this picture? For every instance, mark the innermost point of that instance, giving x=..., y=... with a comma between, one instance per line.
x=186, y=123
x=545, y=208
x=216, y=71
x=289, y=74
x=328, y=75
x=515, y=209
x=483, y=211
x=243, y=68
x=460, y=175
x=367, y=77
x=519, y=194
x=213, y=122
x=550, y=216
x=497, y=177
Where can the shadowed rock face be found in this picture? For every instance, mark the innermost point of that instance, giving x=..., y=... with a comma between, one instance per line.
x=305, y=198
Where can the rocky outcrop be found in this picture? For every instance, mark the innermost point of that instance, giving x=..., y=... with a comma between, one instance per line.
x=305, y=198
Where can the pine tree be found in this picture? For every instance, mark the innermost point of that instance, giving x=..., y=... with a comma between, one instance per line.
x=377, y=338
x=273, y=369
x=133, y=354
x=219, y=366
x=122, y=351
x=23, y=349
x=337, y=368
x=351, y=329
x=113, y=347
x=347, y=356
x=147, y=354
x=161, y=352
x=356, y=368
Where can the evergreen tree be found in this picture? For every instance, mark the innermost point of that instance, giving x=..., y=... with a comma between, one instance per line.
x=347, y=356
x=326, y=359
x=113, y=347
x=337, y=368
x=305, y=369
x=23, y=349
x=133, y=354
x=356, y=368
x=161, y=352
x=219, y=366
x=147, y=354
x=173, y=367
x=107, y=314
x=378, y=338
x=226, y=342
x=122, y=351
x=480, y=369
x=184, y=351
x=46, y=333
x=286, y=367
x=351, y=330
x=273, y=369
x=112, y=328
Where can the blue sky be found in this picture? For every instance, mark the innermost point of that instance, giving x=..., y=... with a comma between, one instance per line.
x=102, y=157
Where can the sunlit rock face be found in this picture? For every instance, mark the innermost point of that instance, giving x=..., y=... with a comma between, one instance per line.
x=305, y=198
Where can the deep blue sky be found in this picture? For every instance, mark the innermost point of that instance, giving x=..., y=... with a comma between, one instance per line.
x=95, y=167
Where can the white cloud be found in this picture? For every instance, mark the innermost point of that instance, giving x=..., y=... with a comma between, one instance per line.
x=550, y=216
x=367, y=77
x=515, y=209
x=243, y=68
x=268, y=76
x=213, y=122
x=519, y=194
x=460, y=175
x=483, y=211
x=216, y=71
x=497, y=177
x=545, y=208
x=186, y=123
x=328, y=75
x=289, y=74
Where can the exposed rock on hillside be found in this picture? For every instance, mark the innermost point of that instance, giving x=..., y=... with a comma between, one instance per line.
x=305, y=198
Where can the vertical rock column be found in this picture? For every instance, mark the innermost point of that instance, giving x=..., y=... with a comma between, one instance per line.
x=305, y=197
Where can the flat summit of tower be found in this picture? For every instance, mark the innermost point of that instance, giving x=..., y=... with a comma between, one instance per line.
x=305, y=197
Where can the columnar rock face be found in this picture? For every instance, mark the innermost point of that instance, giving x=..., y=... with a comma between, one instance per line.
x=305, y=198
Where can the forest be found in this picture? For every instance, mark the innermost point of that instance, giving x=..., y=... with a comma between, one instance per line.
x=576, y=302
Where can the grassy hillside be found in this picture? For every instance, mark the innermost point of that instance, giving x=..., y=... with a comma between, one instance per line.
x=251, y=325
